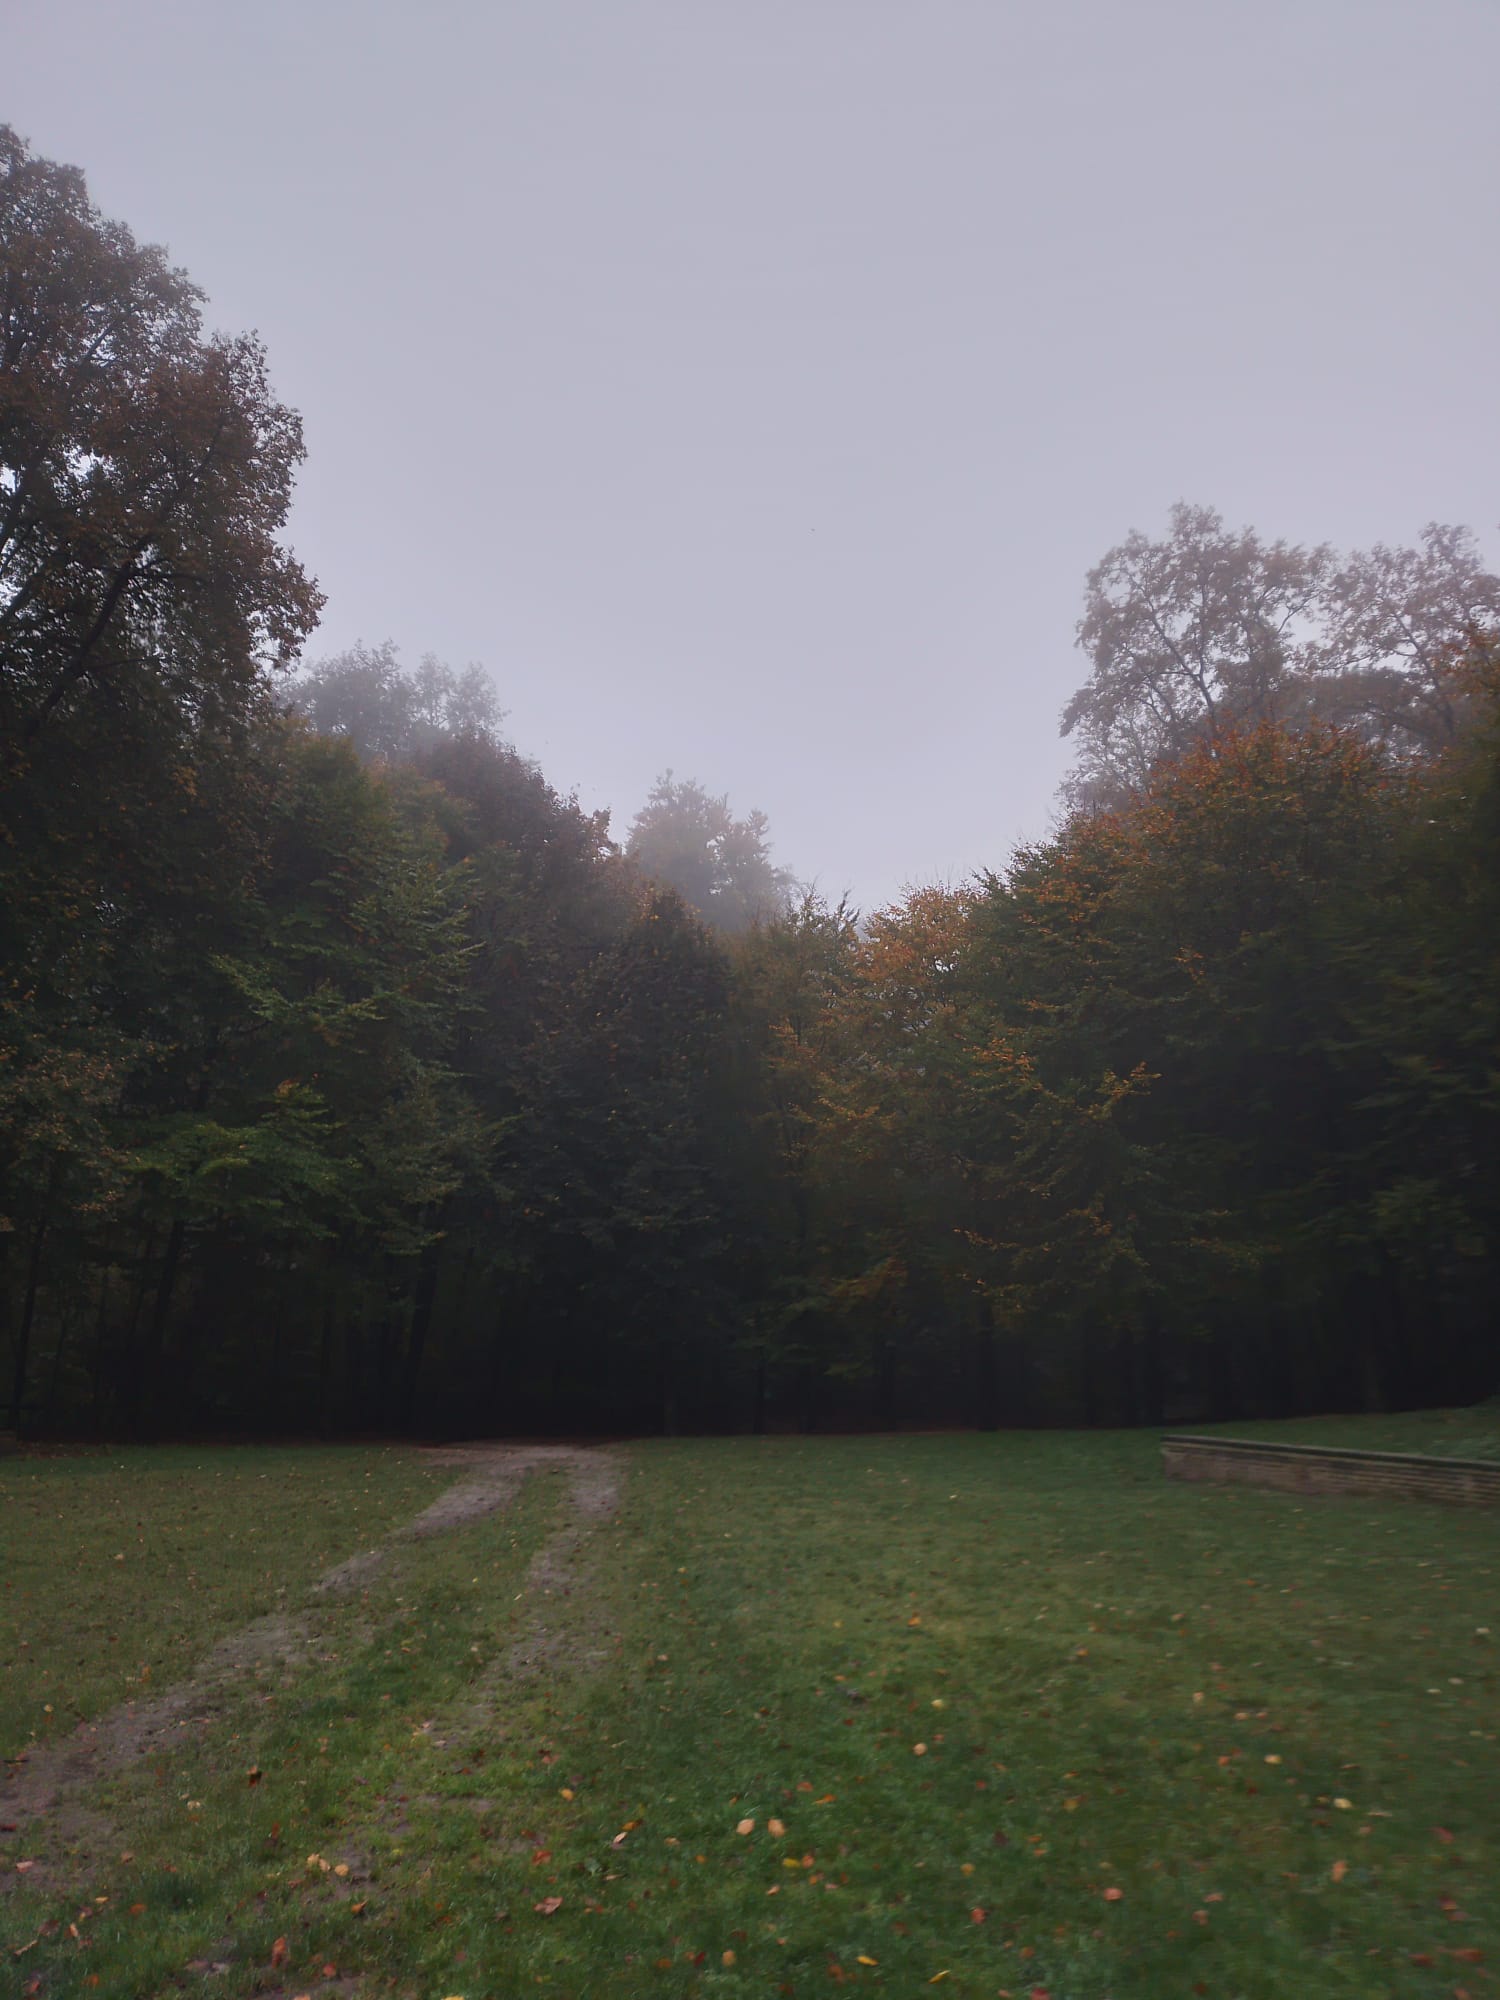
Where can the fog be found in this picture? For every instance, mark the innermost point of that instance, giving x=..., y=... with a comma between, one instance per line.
x=751, y=387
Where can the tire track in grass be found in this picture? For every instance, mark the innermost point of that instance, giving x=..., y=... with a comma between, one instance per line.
x=47, y=1783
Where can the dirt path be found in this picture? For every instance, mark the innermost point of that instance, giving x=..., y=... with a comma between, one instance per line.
x=559, y=1569
x=47, y=1781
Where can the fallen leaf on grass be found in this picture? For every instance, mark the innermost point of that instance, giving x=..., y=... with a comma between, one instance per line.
x=253, y=1775
x=280, y=1952
x=863, y=1960
x=919, y=1749
x=548, y=1906
x=775, y=1828
x=1113, y=1895
x=726, y=1958
x=1443, y=1834
x=745, y=1826
x=978, y=1916
x=1340, y=1870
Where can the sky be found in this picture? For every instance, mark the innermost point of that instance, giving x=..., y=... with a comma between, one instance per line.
x=750, y=384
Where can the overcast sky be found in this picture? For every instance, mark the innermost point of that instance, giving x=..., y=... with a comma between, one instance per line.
x=749, y=386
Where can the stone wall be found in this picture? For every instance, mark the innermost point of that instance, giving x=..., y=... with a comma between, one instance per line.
x=1304, y=1468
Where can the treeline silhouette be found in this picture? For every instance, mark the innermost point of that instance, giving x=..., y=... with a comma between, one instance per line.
x=354, y=1079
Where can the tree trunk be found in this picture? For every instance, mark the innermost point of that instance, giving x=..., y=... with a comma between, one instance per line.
x=986, y=1370
x=54, y=1379
x=421, y=1324
x=148, y=1361
x=28, y=1316
x=101, y=1337
x=325, y=1363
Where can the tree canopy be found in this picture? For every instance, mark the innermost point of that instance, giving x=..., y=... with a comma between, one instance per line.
x=719, y=865
x=353, y=1077
x=1210, y=630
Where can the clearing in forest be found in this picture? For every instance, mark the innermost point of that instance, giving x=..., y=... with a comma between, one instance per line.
x=1006, y=1715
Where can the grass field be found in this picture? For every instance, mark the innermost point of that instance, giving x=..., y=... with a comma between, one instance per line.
x=1473, y=1433
x=1001, y=1715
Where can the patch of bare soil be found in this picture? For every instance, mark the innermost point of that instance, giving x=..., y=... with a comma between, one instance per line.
x=45, y=1782
x=559, y=1572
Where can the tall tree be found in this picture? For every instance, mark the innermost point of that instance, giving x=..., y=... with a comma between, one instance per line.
x=145, y=473
x=1188, y=636
x=1392, y=656
x=367, y=697
x=1208, y=630
x=721, y=866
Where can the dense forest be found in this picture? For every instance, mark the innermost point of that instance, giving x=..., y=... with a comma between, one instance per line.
x=354, y=1078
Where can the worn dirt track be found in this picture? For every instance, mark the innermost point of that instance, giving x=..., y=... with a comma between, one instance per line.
x=48, y=1780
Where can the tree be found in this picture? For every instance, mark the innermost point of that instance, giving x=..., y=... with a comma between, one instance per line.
x=719, y=865
x=1396, y=628
x=1188, y=636
x=367, y=697
x=1207, y=631
x=145, y=472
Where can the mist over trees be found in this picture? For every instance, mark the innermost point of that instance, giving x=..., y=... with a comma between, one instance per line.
x=1209, y=630
x=720, y=866
x=365, y=697
x=352, y=1077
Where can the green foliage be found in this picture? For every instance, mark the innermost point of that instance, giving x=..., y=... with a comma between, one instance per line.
x=720, y=866
x=351, y=1077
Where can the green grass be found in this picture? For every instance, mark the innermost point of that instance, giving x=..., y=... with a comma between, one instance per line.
x=1471, y=1433
x=122, y=1568
x=1204, y=1699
